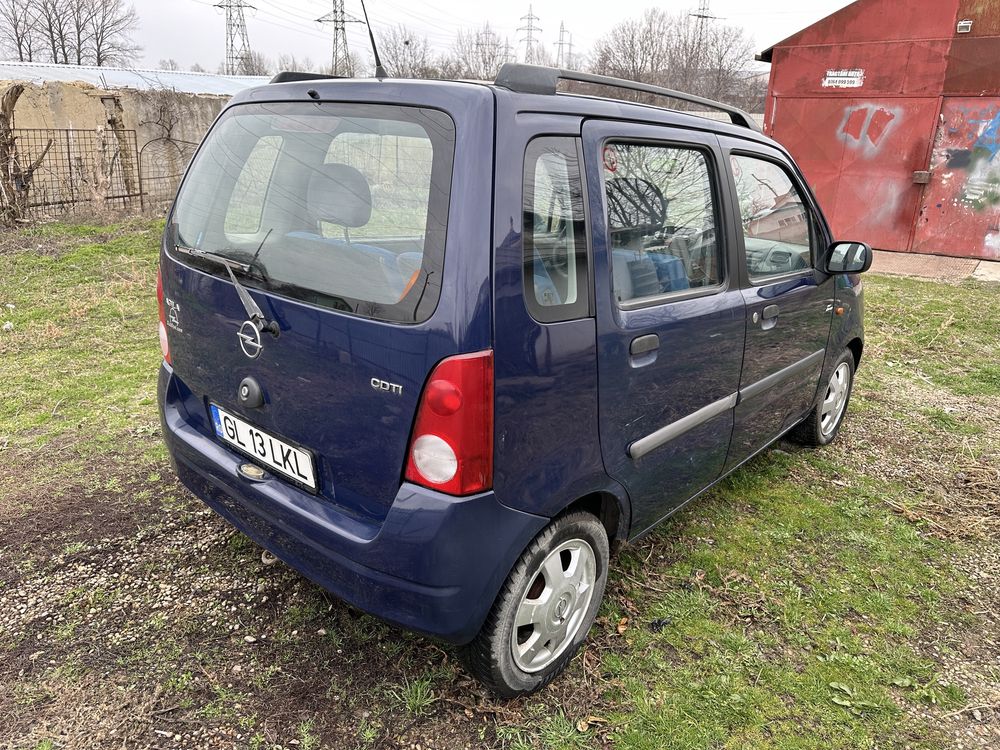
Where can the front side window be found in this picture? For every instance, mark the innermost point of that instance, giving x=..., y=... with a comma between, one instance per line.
x=662, y=220
x=556, y=279
x=777, y=229
x=339, y=205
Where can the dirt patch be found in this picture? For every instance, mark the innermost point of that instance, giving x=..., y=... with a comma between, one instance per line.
x=953, y=483
x=179, y=630
x=77, y=509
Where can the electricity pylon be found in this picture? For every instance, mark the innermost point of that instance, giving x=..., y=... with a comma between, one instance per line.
x=341, y=63
x=237, y=41
x=529, y=38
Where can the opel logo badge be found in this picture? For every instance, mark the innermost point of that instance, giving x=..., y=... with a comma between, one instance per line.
x=249, y=336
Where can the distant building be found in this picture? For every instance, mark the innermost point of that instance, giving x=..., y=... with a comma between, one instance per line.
x=893, y=112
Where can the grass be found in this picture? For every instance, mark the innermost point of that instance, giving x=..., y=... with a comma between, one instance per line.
x=785, y=630
x=416, y=696
x=788, y=608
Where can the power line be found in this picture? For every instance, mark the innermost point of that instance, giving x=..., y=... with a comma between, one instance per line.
x=704, y=16
x=529, y=38
x=564, y=48
x=237, y=41
x=341, y=60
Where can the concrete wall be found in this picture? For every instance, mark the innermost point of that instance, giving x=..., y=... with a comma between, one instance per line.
x=152, y=114
x=99, y=164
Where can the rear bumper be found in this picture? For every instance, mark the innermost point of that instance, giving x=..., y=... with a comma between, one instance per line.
x=433, y=565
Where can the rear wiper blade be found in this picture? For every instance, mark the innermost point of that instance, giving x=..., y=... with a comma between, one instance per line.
x=256, y=315
x=222, y=260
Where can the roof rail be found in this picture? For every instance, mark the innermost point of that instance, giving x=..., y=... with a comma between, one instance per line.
x=538, y=79
x=289, y=76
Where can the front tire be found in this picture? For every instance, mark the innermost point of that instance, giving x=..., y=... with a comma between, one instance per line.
x=545, y=608
x=824, y=421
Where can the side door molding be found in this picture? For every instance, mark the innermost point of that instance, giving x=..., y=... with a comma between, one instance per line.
x=764, y=384
x=665, y=434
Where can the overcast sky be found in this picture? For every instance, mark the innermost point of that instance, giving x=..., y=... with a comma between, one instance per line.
x=193, y=31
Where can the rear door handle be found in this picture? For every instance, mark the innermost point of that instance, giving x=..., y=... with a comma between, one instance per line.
x=770, y=312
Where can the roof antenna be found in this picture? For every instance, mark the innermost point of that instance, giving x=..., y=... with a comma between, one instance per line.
x=379, y=70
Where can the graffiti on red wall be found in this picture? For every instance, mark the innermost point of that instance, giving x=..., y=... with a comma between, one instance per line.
x=982, y=186
x=866, y=126
x=960, y=214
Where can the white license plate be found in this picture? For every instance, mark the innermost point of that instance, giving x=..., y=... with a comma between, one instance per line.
x=276, y=454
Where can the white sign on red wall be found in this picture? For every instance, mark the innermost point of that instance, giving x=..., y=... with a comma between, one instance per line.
x=852, y=78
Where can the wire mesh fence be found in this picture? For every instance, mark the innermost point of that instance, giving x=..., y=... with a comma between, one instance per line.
x=80, y=167
x=162, y=162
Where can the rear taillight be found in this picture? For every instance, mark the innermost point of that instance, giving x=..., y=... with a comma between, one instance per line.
x=164, y=344
x=452, y=445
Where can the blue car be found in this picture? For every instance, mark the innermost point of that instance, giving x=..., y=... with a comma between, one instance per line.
x=443, y=346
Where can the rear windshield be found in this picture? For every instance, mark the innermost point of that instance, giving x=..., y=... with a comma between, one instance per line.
x=340, y=205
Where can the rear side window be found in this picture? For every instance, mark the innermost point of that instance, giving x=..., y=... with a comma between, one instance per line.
x=777, y=230
x=339, y=205
x=556, y=277
x=662, y=221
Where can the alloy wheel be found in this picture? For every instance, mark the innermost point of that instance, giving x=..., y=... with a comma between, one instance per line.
x=554, y=605
x=835, y=402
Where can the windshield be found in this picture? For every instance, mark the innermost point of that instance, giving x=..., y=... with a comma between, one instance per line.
x=339, y=205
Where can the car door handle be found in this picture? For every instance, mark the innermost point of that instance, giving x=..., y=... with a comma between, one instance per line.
x=770, y=312
x=644, y=344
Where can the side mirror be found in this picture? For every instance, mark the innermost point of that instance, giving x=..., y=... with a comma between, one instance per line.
x=849, y=257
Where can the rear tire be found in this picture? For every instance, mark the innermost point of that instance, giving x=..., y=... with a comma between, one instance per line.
x=545, y=608
x=824, y=421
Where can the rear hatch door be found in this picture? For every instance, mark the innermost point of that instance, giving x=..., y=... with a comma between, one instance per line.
x=340, y=216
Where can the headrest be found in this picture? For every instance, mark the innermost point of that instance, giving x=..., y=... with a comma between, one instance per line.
x=339, y=194
x=635, y=205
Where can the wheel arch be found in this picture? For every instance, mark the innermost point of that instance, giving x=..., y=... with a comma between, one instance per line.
x=856, y=346
x=611, y=510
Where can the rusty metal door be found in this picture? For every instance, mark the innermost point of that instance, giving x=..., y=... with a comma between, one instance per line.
x=960, y=211
x=859, y=156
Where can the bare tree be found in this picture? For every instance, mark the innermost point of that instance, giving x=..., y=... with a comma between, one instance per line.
x=112, y=27
x=19, y=29
x=406, y=54
x=712, y=60
x=53, y=24
x=198, y=68
x=356, y=67
x=291, y=62
x=636, y=48
x=81, y=28
x=256, y=64
x=727, y=71
x=169, y=64
x=75, y=32
x=477, y=54
x=16, y=172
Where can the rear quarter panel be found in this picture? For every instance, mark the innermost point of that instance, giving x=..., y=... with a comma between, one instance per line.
x=548, y=450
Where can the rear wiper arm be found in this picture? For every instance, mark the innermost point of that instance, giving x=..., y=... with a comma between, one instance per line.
x=257, y=316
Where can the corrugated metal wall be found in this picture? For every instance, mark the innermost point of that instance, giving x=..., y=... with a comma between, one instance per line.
x=880, y=91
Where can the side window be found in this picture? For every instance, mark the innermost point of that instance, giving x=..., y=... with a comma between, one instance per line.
x=247, y=201
x=777, y=229
x=662, y=220
x=556, y=280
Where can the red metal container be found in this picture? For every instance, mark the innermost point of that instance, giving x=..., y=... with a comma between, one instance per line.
x=893, y=114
